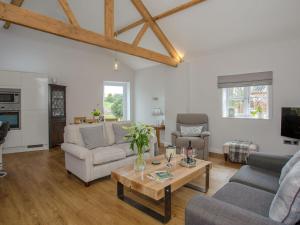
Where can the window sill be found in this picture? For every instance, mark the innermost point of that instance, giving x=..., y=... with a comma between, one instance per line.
x=247, y=118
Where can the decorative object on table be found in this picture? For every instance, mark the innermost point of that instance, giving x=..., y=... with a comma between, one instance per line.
x=238, y=150
x=169, y=164
x=157, y=112
x=79, y=119
x=155, y=162
x=160, y=175
x=189, y=153
x=139, y=136
x=170, y=150
x=96, y=113
x=190, y=164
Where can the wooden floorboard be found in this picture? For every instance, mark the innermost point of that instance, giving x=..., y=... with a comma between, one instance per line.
x=38, y=191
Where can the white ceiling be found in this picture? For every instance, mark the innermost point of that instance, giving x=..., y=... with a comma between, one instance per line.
x=207, y=27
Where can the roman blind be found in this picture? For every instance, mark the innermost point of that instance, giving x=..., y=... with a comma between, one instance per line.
x=244, y=80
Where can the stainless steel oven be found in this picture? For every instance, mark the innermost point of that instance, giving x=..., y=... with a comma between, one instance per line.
x=10, y=107
x=10, y=96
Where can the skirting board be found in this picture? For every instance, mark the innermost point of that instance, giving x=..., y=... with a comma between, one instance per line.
x=24, y=149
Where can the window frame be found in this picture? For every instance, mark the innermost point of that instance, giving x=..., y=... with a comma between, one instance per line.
x=225, y=109
x=126, y=97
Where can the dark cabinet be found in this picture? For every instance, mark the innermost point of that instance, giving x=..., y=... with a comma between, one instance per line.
x=57, y=114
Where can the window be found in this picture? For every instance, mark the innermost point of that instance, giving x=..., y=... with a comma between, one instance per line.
x=116, y=100
x=247, y=102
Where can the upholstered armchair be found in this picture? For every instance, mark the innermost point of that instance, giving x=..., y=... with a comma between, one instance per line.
x=200, y=143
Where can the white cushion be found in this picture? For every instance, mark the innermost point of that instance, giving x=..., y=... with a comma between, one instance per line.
x=191, y=131
x=126, y=148
x=110, y=133
x=107, y=154
x=285, y=207
x=72, y=133
x=289, y=165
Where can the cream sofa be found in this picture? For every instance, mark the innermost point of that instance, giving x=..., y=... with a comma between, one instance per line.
x=92, y=164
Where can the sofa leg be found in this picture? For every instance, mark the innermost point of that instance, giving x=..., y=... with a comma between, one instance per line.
x=226, y=157
x=69, y=173
x=87, y=184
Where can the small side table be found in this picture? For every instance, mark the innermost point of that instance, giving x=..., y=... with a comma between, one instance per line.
x=158, y=129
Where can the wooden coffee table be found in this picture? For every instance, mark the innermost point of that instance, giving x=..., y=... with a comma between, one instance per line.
x=139, y=182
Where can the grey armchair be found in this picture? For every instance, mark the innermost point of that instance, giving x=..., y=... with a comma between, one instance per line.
x=199, y=143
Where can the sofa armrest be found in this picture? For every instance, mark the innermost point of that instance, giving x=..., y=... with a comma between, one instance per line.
x=75, y=150
x=267, y=161
x=174, y=136
x=204, y=210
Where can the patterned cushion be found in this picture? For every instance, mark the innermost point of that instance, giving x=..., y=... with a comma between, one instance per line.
x=93, y=137
x=289, y=165
x=120, y=132
x=191, y=131
x=285, y=207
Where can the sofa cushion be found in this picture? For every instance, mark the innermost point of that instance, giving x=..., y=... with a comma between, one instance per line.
x=120, y=132
x=108, y=154
x=197, y=142
x=72, y=133
x=257, y=178
x=285, y=207
x=191, y=131
x=249, y=198
x=289, y=165
x=94, y=137
x=109, y=133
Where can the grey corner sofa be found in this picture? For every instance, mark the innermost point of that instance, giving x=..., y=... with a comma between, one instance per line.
x=199, y=143
x=245, y=200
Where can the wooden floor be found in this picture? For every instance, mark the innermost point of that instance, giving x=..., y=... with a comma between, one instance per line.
x=38, y=191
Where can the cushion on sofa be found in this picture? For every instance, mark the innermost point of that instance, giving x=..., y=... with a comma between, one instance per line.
x=94, y=137
x=72, y=133
x=246, y=197
x=289, y=165
x=108, y=154
x=197, y=142
x=120, y=132
x=109, y=133
x=257, y=178
x=285, y=207
x=126, y=148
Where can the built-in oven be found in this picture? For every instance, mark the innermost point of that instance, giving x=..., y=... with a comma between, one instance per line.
x=13, y=117
x=10, y=107
x=10, y=96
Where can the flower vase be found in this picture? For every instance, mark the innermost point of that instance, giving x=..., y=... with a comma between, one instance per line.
x=139, y=163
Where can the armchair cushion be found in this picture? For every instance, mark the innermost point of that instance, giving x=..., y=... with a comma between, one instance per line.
x=191, y=131
x=258, y=178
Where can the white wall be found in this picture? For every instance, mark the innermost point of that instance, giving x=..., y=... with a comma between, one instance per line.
x=192, y=87
x=82, y=68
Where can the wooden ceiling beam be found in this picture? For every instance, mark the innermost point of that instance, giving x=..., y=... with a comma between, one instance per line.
x=140, y=34
x=109, y=18
x=160, y=16
x=16, y=3
x=65, y=6
x=139, y=5
x=27, y=18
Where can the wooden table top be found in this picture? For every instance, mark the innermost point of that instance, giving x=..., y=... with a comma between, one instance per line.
x=140, y=182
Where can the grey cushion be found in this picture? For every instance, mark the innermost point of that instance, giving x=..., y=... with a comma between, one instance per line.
x=191, y=131
x=120, y=132
x=249, y=198
x=202, y=210
x=257, y=178
x=289, y=165
x=93, y=137
x=285, y=207
x=197, y=142
x=108, y=154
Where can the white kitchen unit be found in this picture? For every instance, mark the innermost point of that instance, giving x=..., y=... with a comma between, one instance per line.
x=33, y=134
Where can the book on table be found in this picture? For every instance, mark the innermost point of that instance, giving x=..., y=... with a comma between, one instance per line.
x=160, y=175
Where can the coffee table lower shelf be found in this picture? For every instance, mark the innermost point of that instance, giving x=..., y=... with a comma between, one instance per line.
x=167, y=199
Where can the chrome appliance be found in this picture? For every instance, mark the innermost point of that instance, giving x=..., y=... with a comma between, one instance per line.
x=10, y=107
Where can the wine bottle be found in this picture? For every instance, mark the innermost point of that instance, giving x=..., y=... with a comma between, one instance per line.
x=189, y=153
